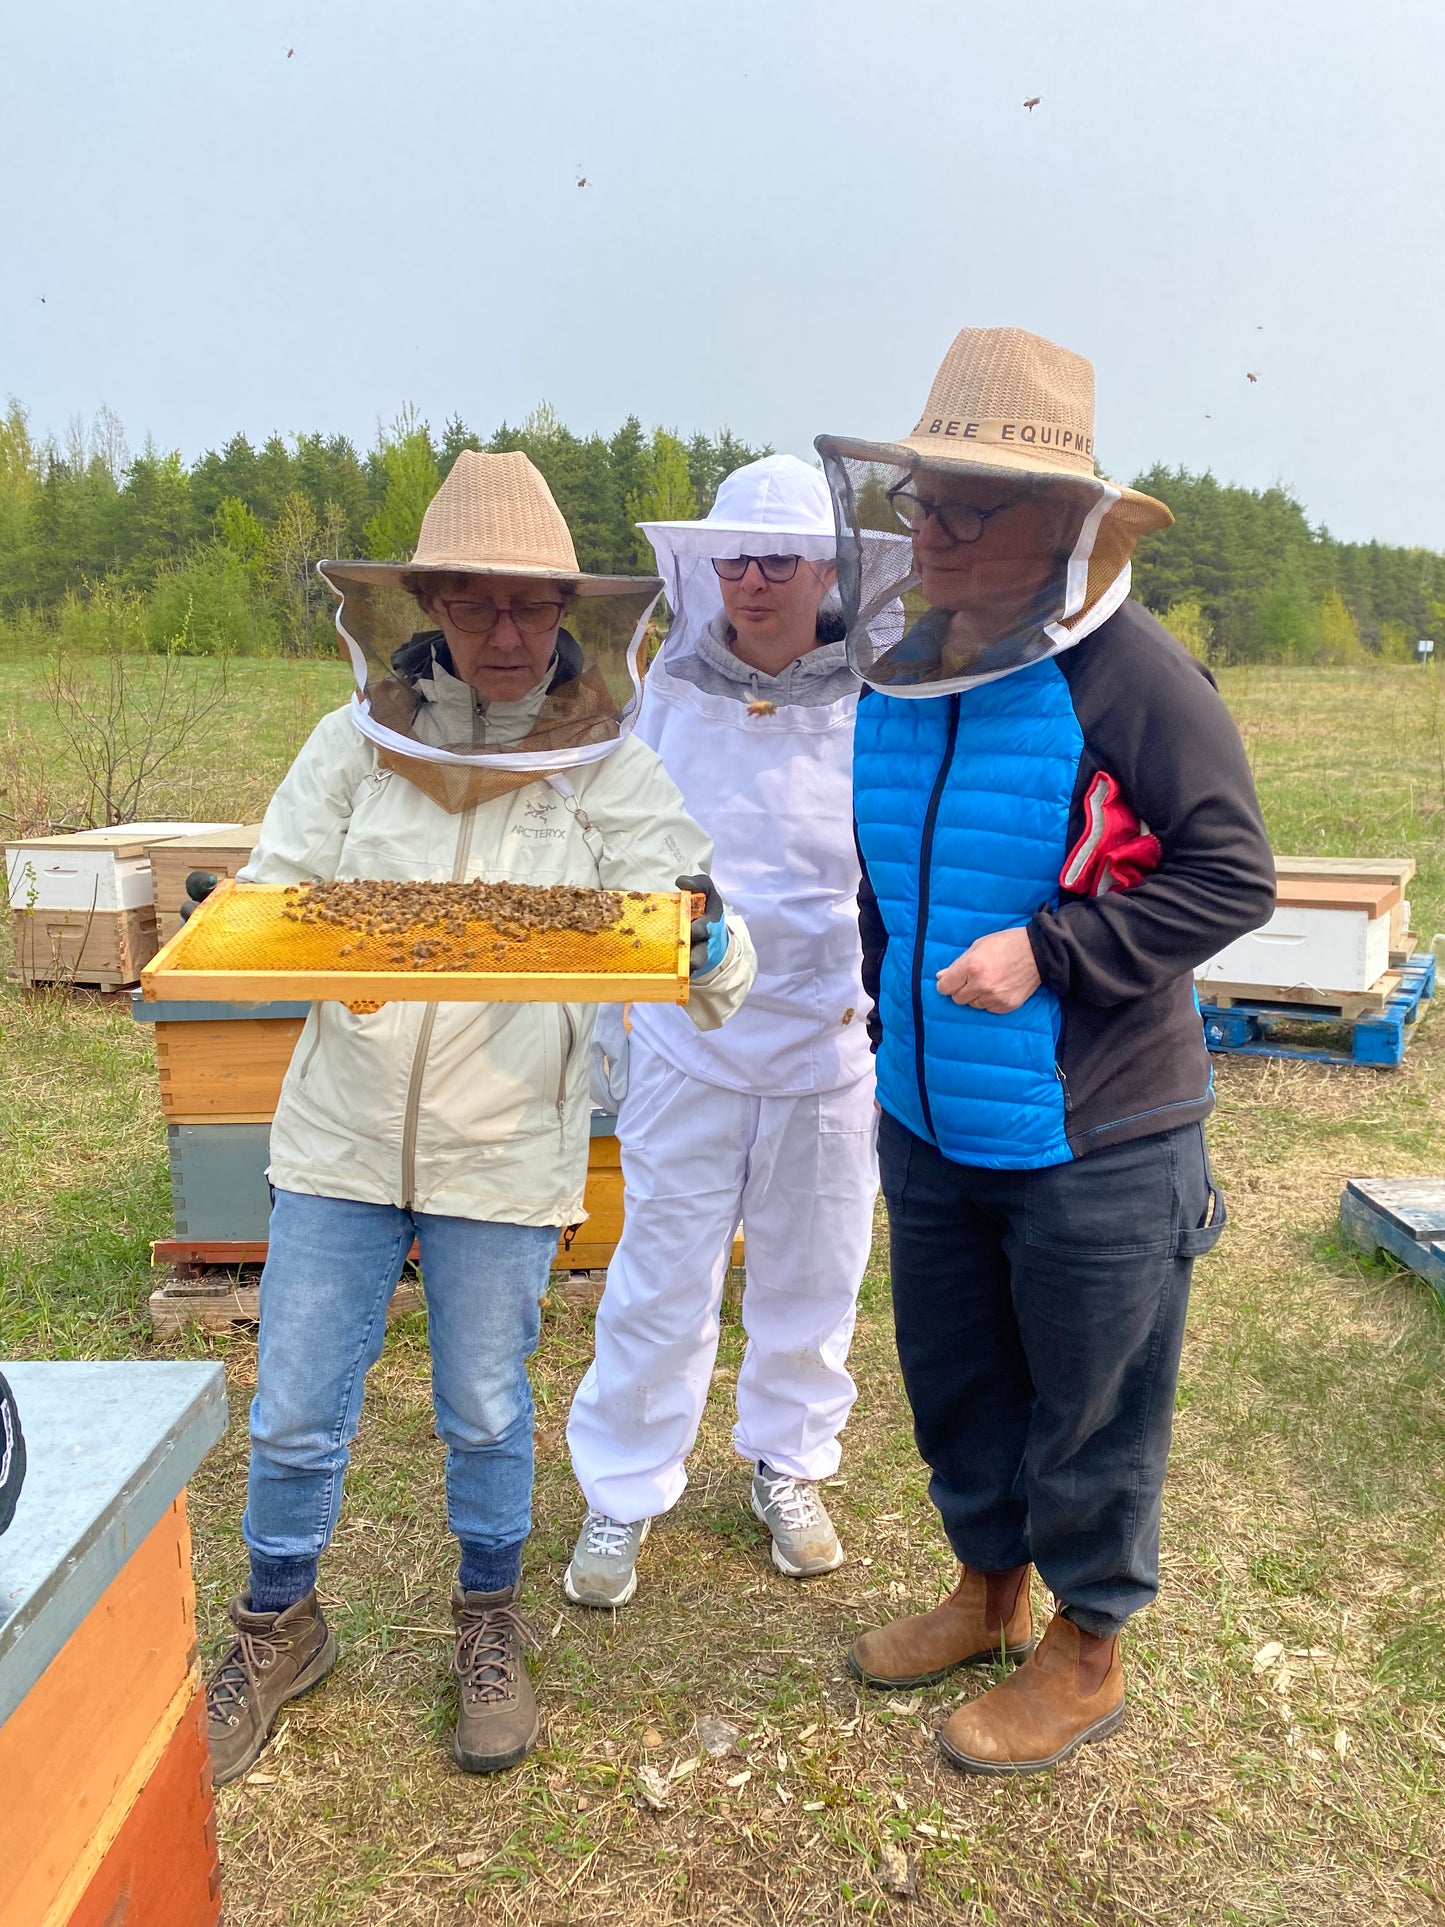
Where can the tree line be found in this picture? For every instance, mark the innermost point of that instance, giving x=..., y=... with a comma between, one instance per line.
x=1243, y=577
x=102, y=548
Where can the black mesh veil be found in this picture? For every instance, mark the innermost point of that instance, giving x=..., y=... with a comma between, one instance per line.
x=469, y=713
x=1012, y=587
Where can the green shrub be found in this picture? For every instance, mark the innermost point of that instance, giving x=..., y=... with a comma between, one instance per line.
x=210, y=604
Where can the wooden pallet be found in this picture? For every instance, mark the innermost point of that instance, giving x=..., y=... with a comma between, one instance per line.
x=1343, y=1003
x=1381, y=1038
x=215, y=1301
x=1404, y=1216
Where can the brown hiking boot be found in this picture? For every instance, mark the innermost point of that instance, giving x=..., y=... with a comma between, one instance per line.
x=1070, y=1692
x=497, y=1710
x=987, y=1617
x=275, y=1658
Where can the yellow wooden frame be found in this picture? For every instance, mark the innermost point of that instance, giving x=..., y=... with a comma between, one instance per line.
x=168, y=976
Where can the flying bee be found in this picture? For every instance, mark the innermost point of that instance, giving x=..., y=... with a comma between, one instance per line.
x=762, y=707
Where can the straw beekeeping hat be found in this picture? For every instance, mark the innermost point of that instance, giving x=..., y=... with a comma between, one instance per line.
x=1012, y=406
x=493, y=515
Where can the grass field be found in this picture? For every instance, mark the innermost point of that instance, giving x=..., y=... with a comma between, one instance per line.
x=1305, y=1511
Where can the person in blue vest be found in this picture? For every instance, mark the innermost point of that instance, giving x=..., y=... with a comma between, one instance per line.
x=1056, y=824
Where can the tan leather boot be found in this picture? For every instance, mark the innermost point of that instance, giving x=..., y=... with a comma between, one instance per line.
x=1069, y=1693
x=275, y=1657
x=497, y=1710
x=986, y=1617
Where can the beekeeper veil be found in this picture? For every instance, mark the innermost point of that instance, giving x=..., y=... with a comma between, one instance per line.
x=1013, y=547
x=490, y=659
x=774, y=509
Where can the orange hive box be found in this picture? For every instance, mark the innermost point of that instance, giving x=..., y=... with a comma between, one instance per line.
x=241, y=947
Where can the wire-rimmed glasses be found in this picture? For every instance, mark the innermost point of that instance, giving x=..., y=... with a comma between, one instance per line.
x=958, y=521
x=479, y=615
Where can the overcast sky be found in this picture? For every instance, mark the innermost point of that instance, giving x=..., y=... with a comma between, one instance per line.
x=305, y=215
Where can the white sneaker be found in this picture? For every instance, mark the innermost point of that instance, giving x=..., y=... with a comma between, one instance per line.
x=804, y=1542
x=603, y=1571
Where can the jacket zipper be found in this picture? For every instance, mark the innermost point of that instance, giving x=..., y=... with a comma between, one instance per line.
x=412, y=1112
x=569, y=1039
x=925, y=868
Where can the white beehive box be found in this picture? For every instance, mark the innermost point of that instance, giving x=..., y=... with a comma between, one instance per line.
x=1385, y=869
x=89, y=870
x=1327, y=934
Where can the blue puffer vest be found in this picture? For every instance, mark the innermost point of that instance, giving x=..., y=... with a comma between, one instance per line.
x=962, y=805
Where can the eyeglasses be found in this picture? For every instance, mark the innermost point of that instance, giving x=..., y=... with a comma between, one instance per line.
x=958, y=522
x=772, y=568
x=480, y=617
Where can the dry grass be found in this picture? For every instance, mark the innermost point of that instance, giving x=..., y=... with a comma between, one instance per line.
x=1306, y=1509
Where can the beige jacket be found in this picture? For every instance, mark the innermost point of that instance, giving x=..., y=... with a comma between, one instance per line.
x=467, y=1110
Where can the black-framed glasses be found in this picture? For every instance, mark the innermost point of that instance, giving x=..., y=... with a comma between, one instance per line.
x=772, y=568
x=479, y=616
x=959, y=522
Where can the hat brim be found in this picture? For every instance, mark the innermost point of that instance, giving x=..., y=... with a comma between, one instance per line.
x=1000, y=464
x=339, y=573
x=721, y=539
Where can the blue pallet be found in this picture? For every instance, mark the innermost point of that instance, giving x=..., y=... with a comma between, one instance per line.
x=1404, y=1216
x=1382, y=1038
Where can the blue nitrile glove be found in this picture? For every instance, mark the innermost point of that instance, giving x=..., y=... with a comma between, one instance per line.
x=199, y=885
x=710, y=930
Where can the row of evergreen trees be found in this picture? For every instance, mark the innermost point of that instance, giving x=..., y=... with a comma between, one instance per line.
x=109, y=549
x=1242, y=577
x=104, y=548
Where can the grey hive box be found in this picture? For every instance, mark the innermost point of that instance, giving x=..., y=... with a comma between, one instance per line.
x=110, y=1447
x=218, y=1181
x=105, y=1798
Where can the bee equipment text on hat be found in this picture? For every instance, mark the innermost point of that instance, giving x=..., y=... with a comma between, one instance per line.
x=12, y=1454
x=1004, y=449
x=493, y=518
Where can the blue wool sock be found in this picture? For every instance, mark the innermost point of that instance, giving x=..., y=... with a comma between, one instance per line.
x=279, y=1583
x=489, y=1568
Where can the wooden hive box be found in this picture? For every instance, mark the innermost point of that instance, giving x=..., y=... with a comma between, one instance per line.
x=221, y=1063
x=1356, y=869
x=106, y=1812
x=100, y=949
x=1326, y=934
x=81, y=905
x=221, y=850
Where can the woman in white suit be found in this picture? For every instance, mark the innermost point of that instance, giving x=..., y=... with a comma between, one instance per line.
x=769, y=1123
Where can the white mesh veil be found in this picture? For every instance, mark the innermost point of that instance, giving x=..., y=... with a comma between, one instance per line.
x=776, y=506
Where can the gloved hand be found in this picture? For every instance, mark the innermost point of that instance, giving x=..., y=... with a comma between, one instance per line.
x=199, y=885
x=709, y=931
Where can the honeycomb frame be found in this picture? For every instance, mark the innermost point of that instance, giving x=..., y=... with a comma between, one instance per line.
x=239, y=947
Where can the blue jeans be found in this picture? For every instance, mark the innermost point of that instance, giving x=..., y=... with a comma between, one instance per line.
x=1039, y=1317
x=330, y=1271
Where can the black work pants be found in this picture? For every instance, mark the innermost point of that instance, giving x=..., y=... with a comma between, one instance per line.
x=1039, y=1317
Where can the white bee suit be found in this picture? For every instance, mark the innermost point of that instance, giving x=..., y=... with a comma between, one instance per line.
x=774, y=1128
